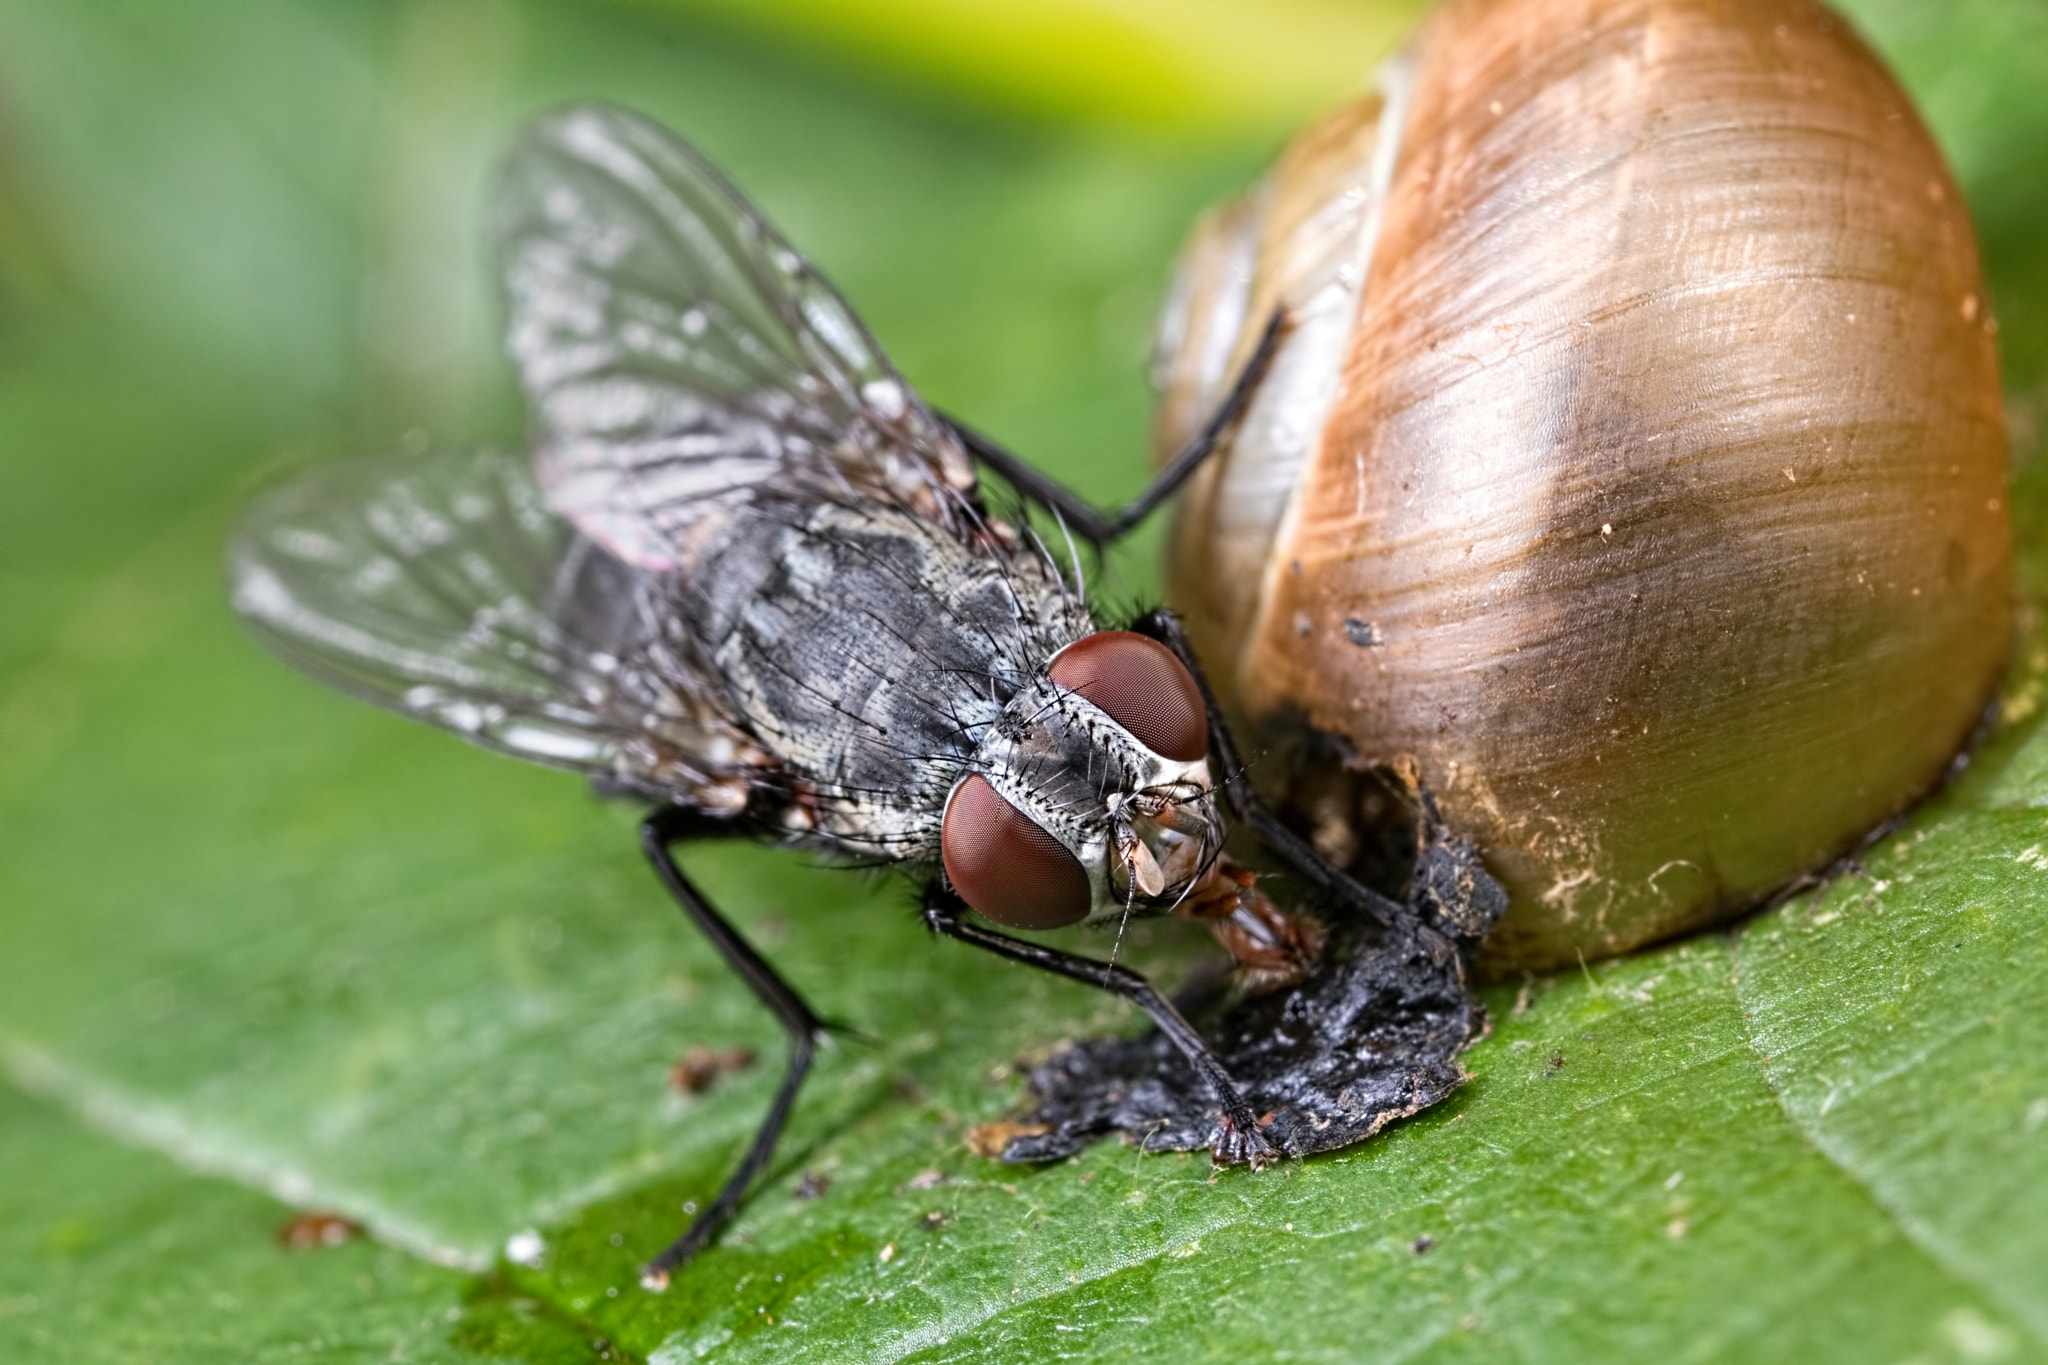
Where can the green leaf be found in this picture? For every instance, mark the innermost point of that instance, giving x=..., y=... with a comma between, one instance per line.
x=111, y=1254
x=1900, y=1019
x=1618, y=1182
x=343, y=960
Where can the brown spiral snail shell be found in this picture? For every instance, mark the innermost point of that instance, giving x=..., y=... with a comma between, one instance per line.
x=1633, y=466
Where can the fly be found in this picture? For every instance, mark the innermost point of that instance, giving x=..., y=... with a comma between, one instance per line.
x=748, y=576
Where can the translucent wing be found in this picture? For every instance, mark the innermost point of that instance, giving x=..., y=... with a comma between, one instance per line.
x=681, y=358
x=445, y=588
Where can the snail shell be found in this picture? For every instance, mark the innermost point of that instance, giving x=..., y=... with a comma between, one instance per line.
x=1634, y=465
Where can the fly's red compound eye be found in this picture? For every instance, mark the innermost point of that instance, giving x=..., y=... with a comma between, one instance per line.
x=1004, y=864
x=1142, y=687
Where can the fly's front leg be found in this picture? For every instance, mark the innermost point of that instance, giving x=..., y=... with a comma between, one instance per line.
x=657, y=832
x=1238, y=1137
x=1246, y=804
x=1101, y=528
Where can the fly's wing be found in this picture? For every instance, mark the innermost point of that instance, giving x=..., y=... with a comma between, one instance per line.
x=681, y=358
x=445, y=588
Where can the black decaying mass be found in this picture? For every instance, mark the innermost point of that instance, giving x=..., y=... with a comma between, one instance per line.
x=1372, y=1036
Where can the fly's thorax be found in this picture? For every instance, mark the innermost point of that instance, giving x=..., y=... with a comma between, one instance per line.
x=867, y=650
x=1143, y=826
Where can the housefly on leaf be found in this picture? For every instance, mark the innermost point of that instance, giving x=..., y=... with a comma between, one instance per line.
x=748, y=576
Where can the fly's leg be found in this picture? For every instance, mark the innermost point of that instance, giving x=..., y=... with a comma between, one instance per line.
x=1238, y=1137
x=657, y=832
x=1246, y=804
x=1102, y=528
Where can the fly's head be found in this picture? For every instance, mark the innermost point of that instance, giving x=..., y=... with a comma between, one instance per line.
x=1091, y=797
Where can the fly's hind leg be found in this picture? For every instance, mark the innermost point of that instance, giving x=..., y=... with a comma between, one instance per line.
x=1238, y=1138
x=1101, y=528
x=657, y=832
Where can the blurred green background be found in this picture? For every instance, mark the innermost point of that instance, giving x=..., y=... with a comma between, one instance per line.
x=262, y=949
